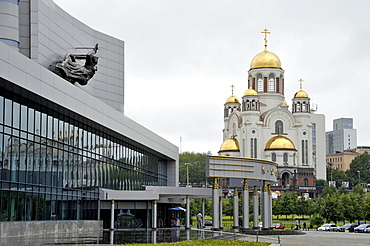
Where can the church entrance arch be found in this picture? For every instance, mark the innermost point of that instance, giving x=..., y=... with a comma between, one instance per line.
x=285, y=179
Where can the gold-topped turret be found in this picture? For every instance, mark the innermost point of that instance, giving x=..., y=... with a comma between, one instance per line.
x=301, y=93
x=232, y=98
x=265, y=58
x=230, y=144
x=280, y=142
x=250, y=92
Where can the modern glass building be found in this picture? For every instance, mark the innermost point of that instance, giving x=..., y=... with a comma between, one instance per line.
x=53, y=161
x=67, y=151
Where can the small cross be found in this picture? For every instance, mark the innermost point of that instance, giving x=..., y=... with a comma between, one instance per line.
x=300, y=83
x=265, y=31
x=232, y=89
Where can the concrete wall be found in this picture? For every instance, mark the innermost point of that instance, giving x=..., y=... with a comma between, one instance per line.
x=26, y=228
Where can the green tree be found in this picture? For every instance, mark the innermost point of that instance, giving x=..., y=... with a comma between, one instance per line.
x=287, y=203
x=330, y=208
x=196, y=166
x=359, y=171
x=349, y=209
x=196, y=206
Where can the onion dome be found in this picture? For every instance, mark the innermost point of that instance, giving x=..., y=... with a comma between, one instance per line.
x=250, y=92
x=301, y=94
x=279, y=143
x=232, y=99
x=265, y=59
x=230, y=144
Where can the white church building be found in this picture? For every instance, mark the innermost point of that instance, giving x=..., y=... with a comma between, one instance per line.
x=261, y=125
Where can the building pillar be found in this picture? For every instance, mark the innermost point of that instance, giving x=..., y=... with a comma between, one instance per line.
x=203, y=211
x=236, y=209
x=154, y=216
x=269, y=198
x=265, y=210
x=245, y=225
x=215, y=206
x=187, y=219
x=255, y=207
x=112, y=216
x=220, y=209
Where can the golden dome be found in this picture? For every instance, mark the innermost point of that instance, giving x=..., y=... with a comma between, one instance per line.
x=232, y=99
x=279, y=142
x=265, y=59
x=230, y=144
x=250, y=92
x=301, y=94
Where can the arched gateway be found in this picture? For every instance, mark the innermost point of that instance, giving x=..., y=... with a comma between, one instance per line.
x=244, y=168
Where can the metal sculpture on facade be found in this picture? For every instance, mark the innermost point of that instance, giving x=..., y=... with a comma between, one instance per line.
x=73, y=71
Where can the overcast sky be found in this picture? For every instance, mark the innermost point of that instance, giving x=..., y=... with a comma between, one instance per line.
x=182, y=57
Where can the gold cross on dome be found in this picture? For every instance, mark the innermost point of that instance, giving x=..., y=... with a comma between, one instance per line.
x=300, y=83
x=232, y=89
x=265, y=31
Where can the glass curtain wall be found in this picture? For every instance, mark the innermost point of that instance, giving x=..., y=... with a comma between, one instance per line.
x=52, y=164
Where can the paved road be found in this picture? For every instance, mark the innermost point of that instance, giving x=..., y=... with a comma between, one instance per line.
x=318, y=238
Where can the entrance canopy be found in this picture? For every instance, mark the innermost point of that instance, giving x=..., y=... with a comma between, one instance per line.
x=240, y=167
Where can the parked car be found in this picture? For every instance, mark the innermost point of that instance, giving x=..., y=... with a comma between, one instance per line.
x=208, y=223
x=361, y=228
x=348, y=227
x=328, y=227
x=277, y=225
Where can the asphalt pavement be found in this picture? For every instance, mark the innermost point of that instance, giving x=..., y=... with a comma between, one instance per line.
x=316, y=238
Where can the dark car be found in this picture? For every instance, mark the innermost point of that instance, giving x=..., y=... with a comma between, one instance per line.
x=208, y=223
x=349, y=227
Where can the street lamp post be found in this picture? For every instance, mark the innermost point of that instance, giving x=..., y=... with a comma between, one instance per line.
x=359, y=180
x=187, y=174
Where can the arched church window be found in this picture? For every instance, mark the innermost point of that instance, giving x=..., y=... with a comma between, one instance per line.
x=285, y=158
x=273, y=157
x=298, y=107
x=279, y=127
x=303, y=107
x=259, y=83
x=271, y=83
x=234, y=129
x=255, y=148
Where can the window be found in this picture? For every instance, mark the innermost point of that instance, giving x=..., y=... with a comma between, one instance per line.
x=305, y=182
x=273, y=157
x=285, y=158
x=259, y=83
x=279, y=127
x=271, y=83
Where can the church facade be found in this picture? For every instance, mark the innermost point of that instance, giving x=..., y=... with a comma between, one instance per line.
x=262, y=126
